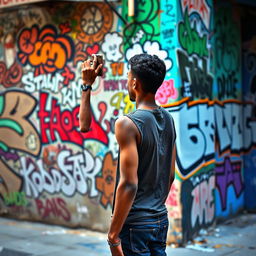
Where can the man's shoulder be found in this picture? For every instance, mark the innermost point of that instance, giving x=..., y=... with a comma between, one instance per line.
x=124, y=123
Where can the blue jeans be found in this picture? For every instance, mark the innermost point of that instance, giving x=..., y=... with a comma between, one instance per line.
x=146, y=237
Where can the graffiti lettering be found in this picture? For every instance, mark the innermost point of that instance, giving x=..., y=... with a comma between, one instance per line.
x=46, y=81
x=228, y=173
x=65, y=124
x=44, y=49
x=115, y=85
x=117, y=69
x=197, y=141
x=197, y=198
x=198, y=125
x=71, y=95
x=15, y=198
x=53, y=207
x=196, y=81
x=190, y=40
x=166, y=91
x=10, y=77
x=76, y=173
x=122, y=101
x=229, y=124
x=203, y=202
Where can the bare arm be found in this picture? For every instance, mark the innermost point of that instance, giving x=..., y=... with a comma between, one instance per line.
x=126, y=135
x=89, y=74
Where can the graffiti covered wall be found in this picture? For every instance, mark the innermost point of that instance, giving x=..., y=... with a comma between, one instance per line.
x=214, y=125
x=49, y=170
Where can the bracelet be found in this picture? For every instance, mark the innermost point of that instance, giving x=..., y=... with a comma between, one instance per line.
x=114, y=245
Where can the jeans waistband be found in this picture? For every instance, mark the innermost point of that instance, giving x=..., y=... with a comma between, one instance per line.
x=149, y=219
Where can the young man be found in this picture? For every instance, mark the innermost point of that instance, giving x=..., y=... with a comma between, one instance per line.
x=146, y=159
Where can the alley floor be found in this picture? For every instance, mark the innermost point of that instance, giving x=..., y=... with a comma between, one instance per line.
x=234, y=237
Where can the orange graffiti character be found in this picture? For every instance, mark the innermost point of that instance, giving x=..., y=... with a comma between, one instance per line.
x=45, y=49
x=106, y=183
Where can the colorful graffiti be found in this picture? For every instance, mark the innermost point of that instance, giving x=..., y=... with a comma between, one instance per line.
x=10, y=77
x=17, y=134
x=65, y=124
x=106, y=183
x=197, y=193
x=73, y=174
x=196, y=146
x=199, y=7
x=47, y=164
x=95, y=20
x=44, y=49
x=146, y=25
x=228, y=173
x=56, y=207
x=15, y=198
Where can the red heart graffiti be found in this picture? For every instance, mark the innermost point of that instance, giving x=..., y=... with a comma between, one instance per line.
x=93, y=50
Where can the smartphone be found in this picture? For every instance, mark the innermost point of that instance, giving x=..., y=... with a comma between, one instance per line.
x=99, y=61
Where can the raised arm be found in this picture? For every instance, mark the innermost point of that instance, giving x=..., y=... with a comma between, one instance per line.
x=127, y=136
x=89, y=74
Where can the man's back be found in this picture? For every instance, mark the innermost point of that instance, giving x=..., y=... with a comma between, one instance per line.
x=157, y=132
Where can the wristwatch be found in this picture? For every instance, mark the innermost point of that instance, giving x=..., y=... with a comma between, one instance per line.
x=86, y=87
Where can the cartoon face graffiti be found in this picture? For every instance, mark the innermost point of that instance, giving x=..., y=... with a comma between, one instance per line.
x=111, y=47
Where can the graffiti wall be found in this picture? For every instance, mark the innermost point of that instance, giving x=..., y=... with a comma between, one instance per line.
x=193, y=112
x=214, y=125
x=50, y=171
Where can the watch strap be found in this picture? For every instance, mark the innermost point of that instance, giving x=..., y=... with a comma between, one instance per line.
x=86, y=87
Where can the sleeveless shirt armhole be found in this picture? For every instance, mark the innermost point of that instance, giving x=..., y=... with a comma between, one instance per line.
x=141, y=135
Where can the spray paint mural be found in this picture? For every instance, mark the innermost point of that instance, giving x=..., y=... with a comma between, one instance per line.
x=52, y=172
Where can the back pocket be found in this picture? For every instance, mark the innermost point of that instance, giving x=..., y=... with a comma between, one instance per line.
x=140, y=239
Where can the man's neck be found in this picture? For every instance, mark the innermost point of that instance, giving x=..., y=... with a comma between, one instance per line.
x=146, y=101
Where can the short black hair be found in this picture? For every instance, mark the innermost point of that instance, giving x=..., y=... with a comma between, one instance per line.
x=149, y=69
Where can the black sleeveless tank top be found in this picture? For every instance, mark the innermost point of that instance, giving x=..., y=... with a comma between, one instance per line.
x=157, y=131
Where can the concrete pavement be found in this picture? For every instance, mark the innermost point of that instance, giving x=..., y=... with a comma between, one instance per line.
x=21, y=238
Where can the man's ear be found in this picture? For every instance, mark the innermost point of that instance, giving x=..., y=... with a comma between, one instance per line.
x=134, y=85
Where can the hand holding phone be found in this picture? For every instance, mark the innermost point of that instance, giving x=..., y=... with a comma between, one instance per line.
x=99, y=61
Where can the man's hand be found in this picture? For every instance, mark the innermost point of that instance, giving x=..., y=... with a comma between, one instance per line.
x=90, y=72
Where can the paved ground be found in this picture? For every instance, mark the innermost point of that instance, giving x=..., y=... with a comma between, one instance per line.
x=236, y=237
